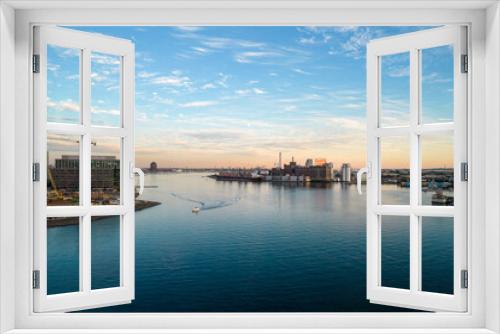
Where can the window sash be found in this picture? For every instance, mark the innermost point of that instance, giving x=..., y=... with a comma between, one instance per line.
x=414, y=297
x=86, y=297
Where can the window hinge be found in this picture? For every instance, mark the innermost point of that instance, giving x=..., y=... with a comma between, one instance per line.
x=465, y=63
x=36, y=63
x=464, y=279
x=36, y=172
x=464, y=167
x=36, y=279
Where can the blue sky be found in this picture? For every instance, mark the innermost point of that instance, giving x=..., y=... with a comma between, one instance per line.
x=236, y=96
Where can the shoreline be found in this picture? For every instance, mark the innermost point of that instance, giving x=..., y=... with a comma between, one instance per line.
x=261, y=180
x=66, y=221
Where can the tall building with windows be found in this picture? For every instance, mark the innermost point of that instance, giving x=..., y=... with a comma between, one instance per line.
x=345, y=173
x=105, y=172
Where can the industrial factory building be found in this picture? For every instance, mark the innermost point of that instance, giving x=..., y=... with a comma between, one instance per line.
x=320, y=171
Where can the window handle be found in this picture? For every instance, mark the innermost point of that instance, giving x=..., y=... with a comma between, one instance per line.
x=365, y=170
x=138, y=171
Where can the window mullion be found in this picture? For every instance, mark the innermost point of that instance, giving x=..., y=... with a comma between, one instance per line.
x=85, y=188
x=415, y=242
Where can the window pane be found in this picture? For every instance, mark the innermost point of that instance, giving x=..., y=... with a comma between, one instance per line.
x=63, y=84
x=395, y=249
x=395, y=170
x=105, y=237
x=395, y=89
x=63, y=257
x=106, y=170
x=437, y=254
x=63, y=170
x=437, y=169
x=106, y=88
x=437, y=84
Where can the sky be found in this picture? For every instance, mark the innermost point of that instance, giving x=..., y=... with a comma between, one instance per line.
x=237, y=96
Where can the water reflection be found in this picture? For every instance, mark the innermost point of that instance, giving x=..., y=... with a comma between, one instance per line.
x=281, y=248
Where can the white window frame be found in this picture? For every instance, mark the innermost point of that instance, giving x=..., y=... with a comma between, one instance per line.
x=413, y=44
x=483, y=18
x=86, y=44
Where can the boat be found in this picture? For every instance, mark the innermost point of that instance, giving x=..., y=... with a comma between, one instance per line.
x=441, y=199
x=195, y=209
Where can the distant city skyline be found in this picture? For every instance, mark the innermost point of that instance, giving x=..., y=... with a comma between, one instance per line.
x=236, y=96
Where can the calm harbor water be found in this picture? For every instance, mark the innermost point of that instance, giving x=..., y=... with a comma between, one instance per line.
x=253, y=247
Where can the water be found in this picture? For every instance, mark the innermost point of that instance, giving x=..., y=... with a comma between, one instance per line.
x=266, y=248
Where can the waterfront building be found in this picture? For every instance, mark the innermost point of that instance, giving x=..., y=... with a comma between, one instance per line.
x=65, y=174
x=309, y=163
x=153, y=167
x=345, y=172
x=330, y=166
x=318, y=173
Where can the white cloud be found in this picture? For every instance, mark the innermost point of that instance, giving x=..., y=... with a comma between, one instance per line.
x=352, y=106
x=306, y=97
x=298, y=70
x=200, y=50
x=314, y=35
x=143, y=57
x=222, y=81
x=249, y=91
x=175, y=80
x=251, y=56
x=245, y=51
x=103, y=59
x=346, y=28
x=350, y=124
x=97, y=77
x=348, y=94
x=114, y=112
x=53, y=67
x=208, y=86
x=189, y=28
x=435, y=77
x=114, y=87
x=307, y=40
x=141, y=117
x=146, y=75
x=290, y=108
x=399, y=72
x=198, y=104
x=355, y=46
x=222, y=43
x=63, y=105
x=161, y=100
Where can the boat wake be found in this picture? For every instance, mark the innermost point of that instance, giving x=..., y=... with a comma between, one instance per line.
x=207, y=205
